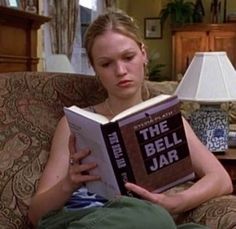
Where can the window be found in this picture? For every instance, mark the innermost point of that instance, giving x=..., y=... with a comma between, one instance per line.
x=89, y=9
x=85, y=19
x=13, y=3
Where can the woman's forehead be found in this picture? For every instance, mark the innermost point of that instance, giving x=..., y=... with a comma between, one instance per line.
x=113, y=41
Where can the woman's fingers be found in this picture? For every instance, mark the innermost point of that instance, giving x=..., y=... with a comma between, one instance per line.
x=82, y=168
x=82, y=154
x=72, y=144
x=84, y=178
x=76, y=158
x=144, y=193
x=79, y=172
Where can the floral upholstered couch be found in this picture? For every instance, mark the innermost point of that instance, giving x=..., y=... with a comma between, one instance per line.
x=31, y=103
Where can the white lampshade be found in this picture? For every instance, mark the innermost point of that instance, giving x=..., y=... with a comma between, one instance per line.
x=58, y=63
x=210, y=78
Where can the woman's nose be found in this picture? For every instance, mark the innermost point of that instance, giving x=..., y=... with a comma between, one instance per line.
x=120, y=68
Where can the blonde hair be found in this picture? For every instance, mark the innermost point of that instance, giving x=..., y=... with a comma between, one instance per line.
x=117, y=21
x=114, y=20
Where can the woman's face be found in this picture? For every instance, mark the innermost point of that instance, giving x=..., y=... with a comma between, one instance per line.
x=119, y=63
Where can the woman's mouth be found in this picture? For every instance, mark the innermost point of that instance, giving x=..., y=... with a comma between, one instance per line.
x=124, y=83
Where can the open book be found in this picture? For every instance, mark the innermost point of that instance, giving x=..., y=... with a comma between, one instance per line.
x=145, y=144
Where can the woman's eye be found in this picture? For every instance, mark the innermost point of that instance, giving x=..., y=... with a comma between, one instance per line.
x=104, y=65
x=128, y=58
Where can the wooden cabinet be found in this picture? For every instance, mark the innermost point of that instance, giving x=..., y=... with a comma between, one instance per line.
x=187, y=40
x=18, y=39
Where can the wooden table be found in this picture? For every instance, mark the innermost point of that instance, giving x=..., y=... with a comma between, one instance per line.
x=228, y=160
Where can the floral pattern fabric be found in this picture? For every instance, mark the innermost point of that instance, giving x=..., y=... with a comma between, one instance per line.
x=31, y=105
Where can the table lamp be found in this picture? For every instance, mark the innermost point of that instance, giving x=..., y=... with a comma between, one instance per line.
x=58, y=63
x=209, y=80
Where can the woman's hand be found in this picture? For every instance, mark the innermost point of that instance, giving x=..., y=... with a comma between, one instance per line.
x=78, y=173
x=171, y=202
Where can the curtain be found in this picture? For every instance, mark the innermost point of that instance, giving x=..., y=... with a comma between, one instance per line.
x=62, y=26
x=79, y=57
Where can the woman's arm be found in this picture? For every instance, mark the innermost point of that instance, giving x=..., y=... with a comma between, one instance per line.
x=214, y=180
x=59, y=178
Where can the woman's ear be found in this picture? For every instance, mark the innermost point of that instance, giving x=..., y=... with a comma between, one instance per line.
x=144, y=52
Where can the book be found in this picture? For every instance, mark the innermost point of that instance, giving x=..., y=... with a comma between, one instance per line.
x=145, y=144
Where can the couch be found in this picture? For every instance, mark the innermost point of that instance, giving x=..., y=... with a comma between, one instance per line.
x=31, y=103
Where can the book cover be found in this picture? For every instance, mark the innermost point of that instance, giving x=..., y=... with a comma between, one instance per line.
x=145, y=144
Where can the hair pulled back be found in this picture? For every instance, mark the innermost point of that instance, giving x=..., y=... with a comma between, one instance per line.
x=113, y=20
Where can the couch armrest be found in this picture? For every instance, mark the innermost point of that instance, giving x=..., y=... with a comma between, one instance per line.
x=217, y=213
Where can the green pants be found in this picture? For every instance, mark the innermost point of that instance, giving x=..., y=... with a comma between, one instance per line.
x=121, y=213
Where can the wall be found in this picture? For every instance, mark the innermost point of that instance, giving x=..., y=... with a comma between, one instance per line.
x=140, y=9
x=150, y=8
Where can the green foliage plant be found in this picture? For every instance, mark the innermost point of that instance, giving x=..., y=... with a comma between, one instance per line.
x=155, y=73
x=155, y=69
x=179, y=11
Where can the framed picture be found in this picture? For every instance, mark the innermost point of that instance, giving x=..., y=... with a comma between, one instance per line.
x=152, y=28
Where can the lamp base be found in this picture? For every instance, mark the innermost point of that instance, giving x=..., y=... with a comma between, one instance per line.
x=211, y=125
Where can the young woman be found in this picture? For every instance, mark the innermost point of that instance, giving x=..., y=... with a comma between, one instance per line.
x=118, y=56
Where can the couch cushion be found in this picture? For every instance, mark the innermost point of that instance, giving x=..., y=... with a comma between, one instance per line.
x=31, y=104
